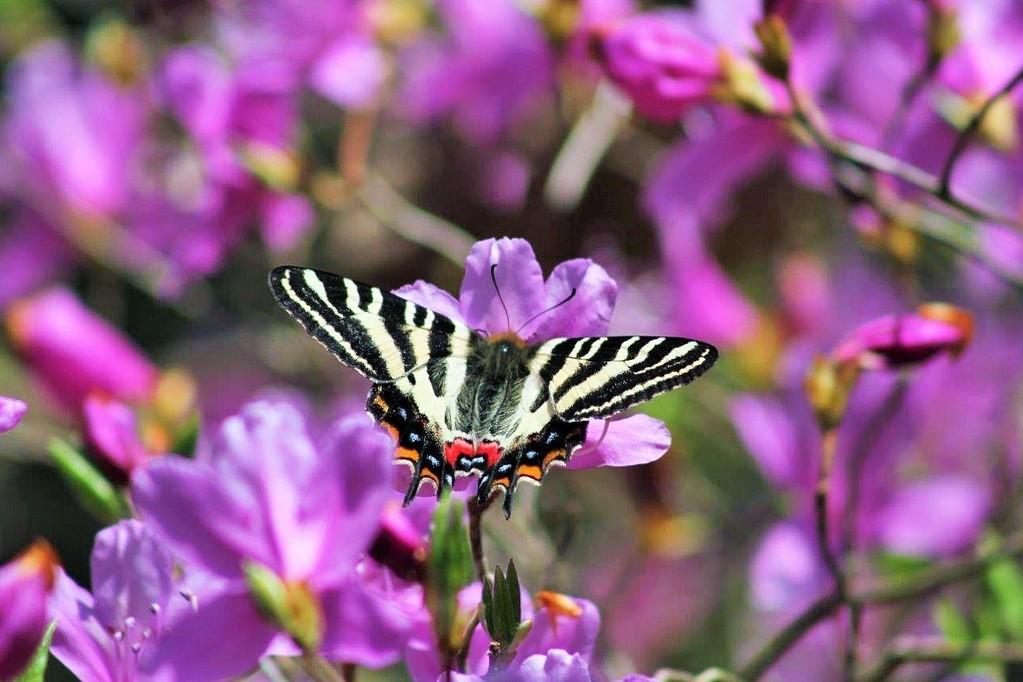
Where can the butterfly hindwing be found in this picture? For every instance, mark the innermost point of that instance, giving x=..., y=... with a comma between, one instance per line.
x=380, y=335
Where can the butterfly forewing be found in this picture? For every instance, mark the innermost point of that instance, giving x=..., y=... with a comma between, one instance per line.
x=599, y=376
x=380, y=335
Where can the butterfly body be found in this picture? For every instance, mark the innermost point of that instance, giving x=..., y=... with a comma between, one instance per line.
x=458, y=402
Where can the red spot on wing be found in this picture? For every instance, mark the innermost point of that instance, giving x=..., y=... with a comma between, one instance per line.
x=490, y=450
x=457, y=448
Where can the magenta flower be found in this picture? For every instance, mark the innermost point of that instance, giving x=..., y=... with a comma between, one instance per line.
x=103, y=636
x=936, y=517
x=31, y=253
x=111, y=432
x=634, y=440
x=559, y=624
x=906, y=340
x=11, y=412
x=265, y=495
x=24, y=585
x=489, y=71
x=663, y=63
x=72, y=135
x=48, y=330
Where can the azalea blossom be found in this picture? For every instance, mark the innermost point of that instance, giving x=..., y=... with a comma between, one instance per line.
x=24, y=585
x=266, y=496
x=11, y=412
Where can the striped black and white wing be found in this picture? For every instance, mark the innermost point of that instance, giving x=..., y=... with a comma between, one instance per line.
x=595, y=377
x=380, y=335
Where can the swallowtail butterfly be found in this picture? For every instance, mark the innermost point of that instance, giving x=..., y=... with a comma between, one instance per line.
x=458, y=402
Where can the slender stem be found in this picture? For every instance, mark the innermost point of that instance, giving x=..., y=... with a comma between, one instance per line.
x=463, y=651
x=852, y=644
x=945, y=179
x=940, y=651
x=584, y=147
x=875, y=160
x=320, y=670
x=906, y=589
x=820, y=498
x=476, y=537
x=934, y=579
x=789, y=635
x=412, y=222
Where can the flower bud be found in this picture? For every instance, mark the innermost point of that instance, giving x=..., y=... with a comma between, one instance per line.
x=74, y=352
x=11, y=412
x=896, y=341
x=25, y=583
x=292, y=606
x=776, y=42
x=661, y=64
x=399, y=547
x=743, y=84
x=827, y=387
x=943, y=34
x=449, y=569
x=502, y=607
x=112, y=437
x=118, y=51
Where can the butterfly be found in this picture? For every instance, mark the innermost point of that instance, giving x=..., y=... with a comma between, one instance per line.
x=459, y=402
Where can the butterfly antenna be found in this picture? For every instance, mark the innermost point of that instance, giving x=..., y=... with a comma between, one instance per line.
x=546, y=310
x=493, y=278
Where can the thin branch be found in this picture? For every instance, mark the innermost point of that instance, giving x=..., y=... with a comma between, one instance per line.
x=934, y=579
x=584, y=147
x=476, y=537
x=789, y=635
x=938, y=651
x=820, y=498
x=393, y=210
x=922, y=584
x=868, y=158
x=462, y=656
x=945, y=179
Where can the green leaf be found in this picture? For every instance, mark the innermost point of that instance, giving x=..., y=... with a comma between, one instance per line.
x=502, y=606
x=90, y=487
x=449, y=569
x=1005, y=580
x=36, y=669
x=187, y=437
x=951, y=622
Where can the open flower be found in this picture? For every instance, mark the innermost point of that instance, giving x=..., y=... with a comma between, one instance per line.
x=24, y=585
x=102, y=636
x=526, y=296
x=563, y=628
x=73, y=351
x=11, y=412
x=264, y=500
x=662, y=62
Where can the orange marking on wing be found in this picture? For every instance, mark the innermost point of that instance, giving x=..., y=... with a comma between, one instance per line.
x=391, y=429
x=551, y=456
x=380, y=402
x=407, y=454
x=531, y=471
x=426, y=473
x=502, y=482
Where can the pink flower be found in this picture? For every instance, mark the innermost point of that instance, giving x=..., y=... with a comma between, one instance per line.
x=11, y=412
x=264, y=495
x=662, y=62
x=74, y=352
x=102, y=636
x=901, y=340
x=111, y=432
x=24, y=585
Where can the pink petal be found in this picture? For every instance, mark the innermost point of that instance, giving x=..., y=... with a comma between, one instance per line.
x=519, y=279
x=363, y=627
x=222, y=640
x=11, y=412
x=587, y=313
x=638, y=439
x=131, y=571
x=112, y=433
x=349, y=72
x=432, y=297
x=286, y=217
x=79, y=642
